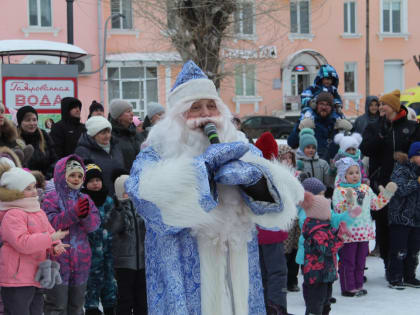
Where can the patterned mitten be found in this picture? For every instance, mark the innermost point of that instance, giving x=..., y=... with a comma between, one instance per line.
x=343, y=124
x=238, y=173
x=389, y=190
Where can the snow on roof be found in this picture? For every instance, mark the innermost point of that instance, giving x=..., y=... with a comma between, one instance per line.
x=163, y=56
x=39, y=47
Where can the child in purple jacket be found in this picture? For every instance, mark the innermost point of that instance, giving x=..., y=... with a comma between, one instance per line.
x=69, y=209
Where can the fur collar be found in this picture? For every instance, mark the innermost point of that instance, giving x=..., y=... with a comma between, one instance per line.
x=8, y=132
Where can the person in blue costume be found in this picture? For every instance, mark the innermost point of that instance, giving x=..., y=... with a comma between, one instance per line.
x=201, y=203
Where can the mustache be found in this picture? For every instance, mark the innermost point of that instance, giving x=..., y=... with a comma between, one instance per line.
x=200, y=122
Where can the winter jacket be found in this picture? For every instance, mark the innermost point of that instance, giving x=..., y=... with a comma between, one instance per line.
x=315, y=166
x=88, y=149
x=404, y=207
x=356, y=157
x=321, y=247
x=362, y=227
x=8, y=134
x=312, y=91
x=336, y=219
x=60, y=207
x=382, y=139
x=367, y=118
x=41, y=160
x=324, y=134
x=128, y=231
x=128, y=140
x=66, y=133
x=26, y=236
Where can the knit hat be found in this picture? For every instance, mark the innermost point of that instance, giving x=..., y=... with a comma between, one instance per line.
x=154, y=108
x=23, y=111
x=119, y=187
x=92, y=171
x=74, y=166
x=16, y=179
x=392, y=99
x=414, y=150
x=343, y=165
x=326, y=97
x=118, y=107
x=96, y=124
x=347, y=142
x=313, y=185
x=307, y=137
x=268, y=145
x=95, y=106
x=283, y=149
x=192, y=84
x=70, y=103
x=316, y=207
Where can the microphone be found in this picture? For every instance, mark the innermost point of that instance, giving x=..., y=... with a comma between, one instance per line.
x=211, y=132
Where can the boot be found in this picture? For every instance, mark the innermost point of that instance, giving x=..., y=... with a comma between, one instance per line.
x=109, y=311
x=93, y=311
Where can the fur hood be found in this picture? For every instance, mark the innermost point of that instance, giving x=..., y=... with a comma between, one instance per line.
x=8, y=194
x=9, y=153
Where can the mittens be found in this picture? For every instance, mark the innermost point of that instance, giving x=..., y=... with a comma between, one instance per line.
x=238, y=173
x=389, y=190
x=300, y=165
x=343, y=231
x=82, y=207
x=43, y=274
x=307, y=123
x=350, y=197
x=220, y=153
x=343, y=124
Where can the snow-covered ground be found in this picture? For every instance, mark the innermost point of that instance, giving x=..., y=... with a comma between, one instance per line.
x=380, y=299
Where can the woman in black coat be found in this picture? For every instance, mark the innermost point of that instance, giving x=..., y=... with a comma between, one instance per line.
x=98, y=146
x=43, y=158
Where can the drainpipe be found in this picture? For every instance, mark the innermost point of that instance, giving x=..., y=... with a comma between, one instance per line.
x=70, y=22
x=101, y=53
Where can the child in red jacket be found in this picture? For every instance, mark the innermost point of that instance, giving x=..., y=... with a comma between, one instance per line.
x=27, y=237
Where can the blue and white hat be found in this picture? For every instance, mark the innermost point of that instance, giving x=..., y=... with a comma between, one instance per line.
x=192, y=84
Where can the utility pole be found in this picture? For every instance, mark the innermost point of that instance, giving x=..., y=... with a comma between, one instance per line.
x=367, y=61
x=70, y=22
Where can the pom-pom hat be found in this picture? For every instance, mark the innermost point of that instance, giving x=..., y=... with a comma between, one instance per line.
x=347, y=142
x=16, y=179
x=392, y=99
x=268, y=145
x=307, y=137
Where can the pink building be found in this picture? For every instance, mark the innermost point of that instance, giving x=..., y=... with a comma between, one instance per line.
x=270, y=59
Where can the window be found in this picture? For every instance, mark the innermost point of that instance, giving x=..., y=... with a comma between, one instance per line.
x=244, y=19
x=40, y=13
x=350, y=17
x=393, y=75
x=391, y=16
x=123, y=7
x=299, y=16
x=350, y=77
x=245, y=79
x=138, y=85
x=254, y=122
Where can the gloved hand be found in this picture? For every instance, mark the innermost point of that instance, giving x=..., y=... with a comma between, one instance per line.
x=220, y=153
x=343, y=124
x=307, y=123
x=350, y=196
x=82, y=207
x=355, y=211
x=238, y=173
x=343, y=231
x=300, y=165
x=389, y=190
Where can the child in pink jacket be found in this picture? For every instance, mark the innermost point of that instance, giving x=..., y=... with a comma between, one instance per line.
x=27, y=237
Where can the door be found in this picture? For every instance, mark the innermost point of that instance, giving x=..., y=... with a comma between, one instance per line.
x=300, y=81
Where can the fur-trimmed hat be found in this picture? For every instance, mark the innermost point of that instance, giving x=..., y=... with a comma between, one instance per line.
x=347, y=142
x=268, y=146
x=316, y=207
x=392, y=99
x=191, y=85
x=307, y=137
x=8, y=153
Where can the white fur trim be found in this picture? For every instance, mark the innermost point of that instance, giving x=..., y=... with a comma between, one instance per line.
x=290, y=190
x=194, y=89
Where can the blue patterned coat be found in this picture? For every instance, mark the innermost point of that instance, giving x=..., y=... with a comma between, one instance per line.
x=201, y=244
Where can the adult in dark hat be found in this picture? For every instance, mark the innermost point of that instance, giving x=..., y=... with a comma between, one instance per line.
x=43, y=157
x=66, y=133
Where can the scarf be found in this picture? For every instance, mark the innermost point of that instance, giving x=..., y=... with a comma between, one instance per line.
x=27, y=204
x=347, y=185
x=106, y=148
x=98, y=197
